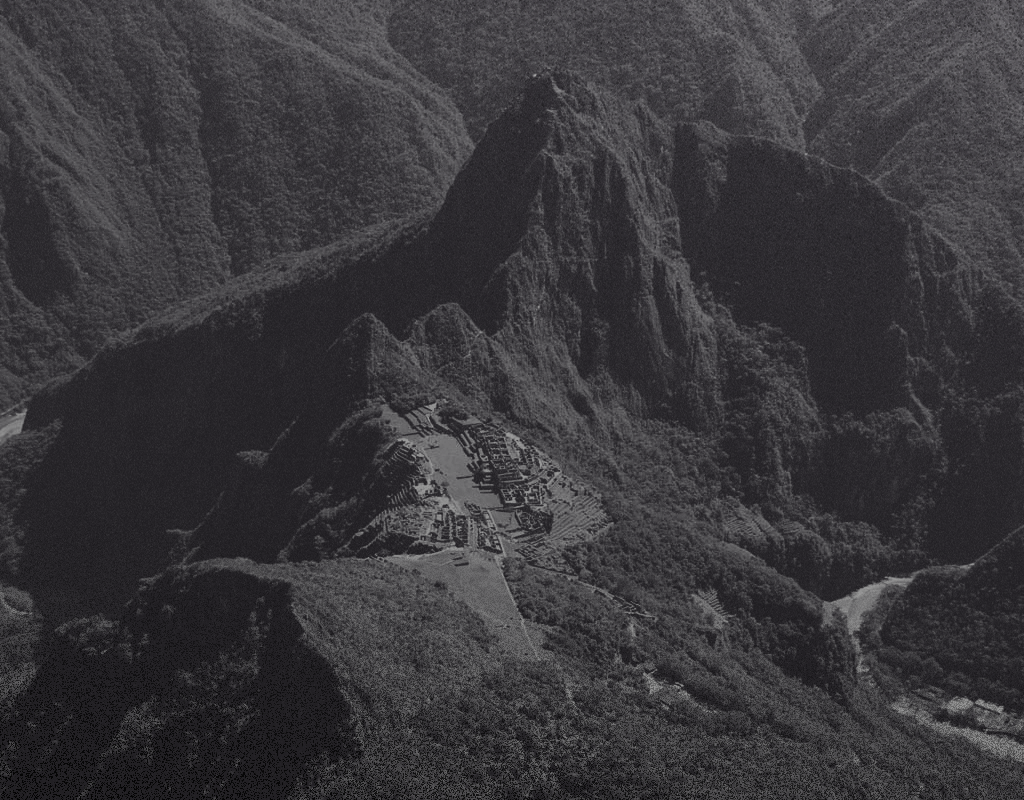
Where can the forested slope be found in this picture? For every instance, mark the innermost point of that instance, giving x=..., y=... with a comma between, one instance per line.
x=152, y=151
x=784, y=379
x=552, y=287
x=356, y=679
x=963, y=629
x=923, y=97
x=738, y=64
x=927, y=98
x=146, y=153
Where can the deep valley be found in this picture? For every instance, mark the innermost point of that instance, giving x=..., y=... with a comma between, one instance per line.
x=507, y=400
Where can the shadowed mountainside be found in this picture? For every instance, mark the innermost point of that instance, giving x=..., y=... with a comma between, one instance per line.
x=148, y=152
x=923, y=97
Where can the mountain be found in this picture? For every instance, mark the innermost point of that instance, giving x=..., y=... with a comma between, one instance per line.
x=150, y=152
x=464, y=288
x=554, y=286
x=147, y=153
x=154, y=151
x=960, y=629
x=698, y=381
x=926, y=98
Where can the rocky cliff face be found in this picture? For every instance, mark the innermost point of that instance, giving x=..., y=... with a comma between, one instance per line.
x=578, y=263
x=910, y=347
x=881, y=303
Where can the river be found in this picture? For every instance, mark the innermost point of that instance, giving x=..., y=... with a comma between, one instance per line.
x=856, y=606
x=9, y=426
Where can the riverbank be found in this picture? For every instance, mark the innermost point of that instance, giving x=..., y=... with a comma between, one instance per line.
x=11, y=425
x=858, y=607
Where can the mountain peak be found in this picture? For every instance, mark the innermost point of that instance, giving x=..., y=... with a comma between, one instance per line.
x=562, y=232
x=555, y=89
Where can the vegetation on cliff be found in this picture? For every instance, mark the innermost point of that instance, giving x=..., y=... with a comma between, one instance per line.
x=353, y=678
x=785, y=382
x=963, y=629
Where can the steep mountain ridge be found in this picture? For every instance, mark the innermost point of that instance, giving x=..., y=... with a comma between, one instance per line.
x=268, y=357
x=247, y=423
x=593, y=278
x=784, y=379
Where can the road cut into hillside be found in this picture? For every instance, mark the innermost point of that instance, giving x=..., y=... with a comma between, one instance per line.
x=999, y=746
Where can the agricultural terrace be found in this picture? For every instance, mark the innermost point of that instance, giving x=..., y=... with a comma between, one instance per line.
x=467, y=493
x=476, y=486
x=476, y=578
